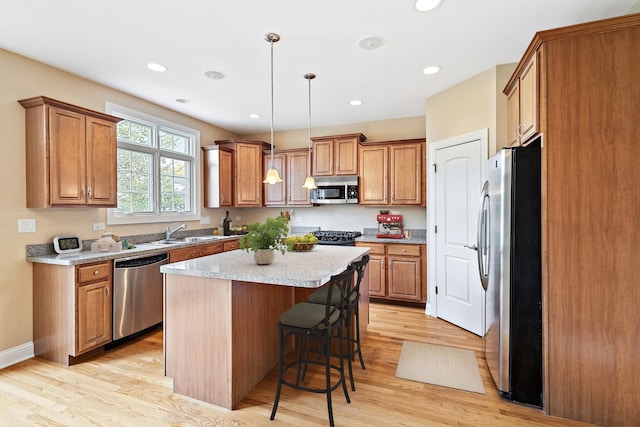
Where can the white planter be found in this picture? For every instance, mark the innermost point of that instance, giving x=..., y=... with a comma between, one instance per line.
x=263, y=256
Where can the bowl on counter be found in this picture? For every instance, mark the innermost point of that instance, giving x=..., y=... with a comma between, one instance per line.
x=301, y=247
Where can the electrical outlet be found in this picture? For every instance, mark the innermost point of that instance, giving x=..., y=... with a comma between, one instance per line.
x=26, y=226
x=298, y=219
x=98, y=226
x=238, y=218
x=205, y=220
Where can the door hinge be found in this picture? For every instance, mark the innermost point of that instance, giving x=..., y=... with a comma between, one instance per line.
x=435, y=167
x=436, y=290
x=435, y=229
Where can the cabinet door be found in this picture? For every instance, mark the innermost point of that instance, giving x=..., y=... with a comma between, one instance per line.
x=513, y=116
x=248, y=175
x=374, y=167
x=377, y=279
x=322, y=158
x=406, y=174
x=276, y=195
x=225, y=177
x=346, y=156
x=297, y=172
x=67, y=164
x=93, y=315
x=102, y=162
x=529, y=100
x=198, y=251
x=404, y=277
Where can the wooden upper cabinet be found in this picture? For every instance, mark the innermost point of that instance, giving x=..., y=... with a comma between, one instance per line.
x=71, y=155
x=374, y=175
x=392, y=173
x=293, y=166
x=217, y=174
x=336, y=155
x=523, y=108
x=247, y=170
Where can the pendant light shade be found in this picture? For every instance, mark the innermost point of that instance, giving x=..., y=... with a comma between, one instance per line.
x=309, y=183
x=273, y=177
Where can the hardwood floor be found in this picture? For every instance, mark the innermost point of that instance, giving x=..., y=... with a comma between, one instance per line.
x=125, y=387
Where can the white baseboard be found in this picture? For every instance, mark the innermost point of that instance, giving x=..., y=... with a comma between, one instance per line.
x=16, y=354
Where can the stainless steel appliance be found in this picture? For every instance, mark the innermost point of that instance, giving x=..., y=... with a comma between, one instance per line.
x=335, y=190
x=509, y=260
x=137, y=294
x=337, y=238
x=390, y=226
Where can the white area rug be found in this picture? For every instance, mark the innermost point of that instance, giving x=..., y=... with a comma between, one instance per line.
x=440, y=365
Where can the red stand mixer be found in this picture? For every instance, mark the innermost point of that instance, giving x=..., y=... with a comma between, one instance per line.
x=390, y=226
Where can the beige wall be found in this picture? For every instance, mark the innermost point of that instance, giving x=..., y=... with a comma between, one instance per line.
x=476, y=103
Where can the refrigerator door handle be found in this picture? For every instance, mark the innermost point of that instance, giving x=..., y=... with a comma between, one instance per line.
x=473, y=247
x=483, y=233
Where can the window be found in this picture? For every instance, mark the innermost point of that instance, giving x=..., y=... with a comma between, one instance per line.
x=157, y=169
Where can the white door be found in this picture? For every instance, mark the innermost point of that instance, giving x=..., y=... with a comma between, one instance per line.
x=455, y=185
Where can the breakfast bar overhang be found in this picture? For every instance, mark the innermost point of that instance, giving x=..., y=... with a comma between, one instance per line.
x=221, y=316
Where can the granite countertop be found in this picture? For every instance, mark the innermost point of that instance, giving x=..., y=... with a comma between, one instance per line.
x=140, y=249
x=418, y=237
x=309, y=269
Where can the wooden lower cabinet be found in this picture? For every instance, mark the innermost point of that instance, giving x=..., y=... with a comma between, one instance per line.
x=71, y=309
x=397, y=272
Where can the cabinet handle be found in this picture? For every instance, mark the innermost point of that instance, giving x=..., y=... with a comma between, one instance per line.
x=95, y=273
x=107, y=288
x=89, y=194
x=404, y=250
x=83, y=193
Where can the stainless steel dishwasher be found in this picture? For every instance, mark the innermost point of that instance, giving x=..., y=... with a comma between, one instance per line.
x=137, y=294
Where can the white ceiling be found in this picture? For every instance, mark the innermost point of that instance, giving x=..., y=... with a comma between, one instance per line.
x=111, y=43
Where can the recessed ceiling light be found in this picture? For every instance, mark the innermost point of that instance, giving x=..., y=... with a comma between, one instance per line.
x=214, y=75
x=156, y=67
x=355, y=102
x=426, y=5
x=431, y=70
x=370, y=42
x=183, y=101
x=254, y=116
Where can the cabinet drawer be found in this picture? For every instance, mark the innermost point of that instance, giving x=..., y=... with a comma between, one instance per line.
x=93, y=272
x=232, y=245
x=376, y=248
x=405, y=250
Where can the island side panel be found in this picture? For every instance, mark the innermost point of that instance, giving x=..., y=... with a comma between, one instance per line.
x=197, y=334
x=256, y=310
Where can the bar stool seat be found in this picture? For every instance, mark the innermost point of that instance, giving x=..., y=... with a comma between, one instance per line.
x=315, y=322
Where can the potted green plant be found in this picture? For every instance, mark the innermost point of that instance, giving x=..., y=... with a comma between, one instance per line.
x=264, y=239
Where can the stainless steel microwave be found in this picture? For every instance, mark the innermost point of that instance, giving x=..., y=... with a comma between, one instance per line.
x=335, y=190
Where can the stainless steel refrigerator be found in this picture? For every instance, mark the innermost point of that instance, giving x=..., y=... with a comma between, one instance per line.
x=509, y=260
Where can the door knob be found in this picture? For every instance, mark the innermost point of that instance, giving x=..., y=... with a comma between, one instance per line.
x=474, y=247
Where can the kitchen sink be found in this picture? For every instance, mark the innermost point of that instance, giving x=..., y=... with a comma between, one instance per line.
x=193, y=239
x=166, y=242
x=202, y=238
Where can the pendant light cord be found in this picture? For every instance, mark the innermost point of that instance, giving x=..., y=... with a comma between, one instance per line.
x=271, y=42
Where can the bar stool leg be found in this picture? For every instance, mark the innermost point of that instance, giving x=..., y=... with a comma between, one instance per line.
x=357, y=310
x=280, y=373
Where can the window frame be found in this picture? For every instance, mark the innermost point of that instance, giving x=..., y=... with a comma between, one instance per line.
x=113, y=217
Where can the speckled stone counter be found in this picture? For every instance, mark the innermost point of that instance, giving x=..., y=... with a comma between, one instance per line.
x=418, y=237
x=221, y=316
x=302, y=269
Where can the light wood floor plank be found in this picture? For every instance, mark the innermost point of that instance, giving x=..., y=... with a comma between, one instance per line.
x=125, y=387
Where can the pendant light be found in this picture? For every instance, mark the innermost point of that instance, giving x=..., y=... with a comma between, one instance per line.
x=309, y=183
x=273, y=177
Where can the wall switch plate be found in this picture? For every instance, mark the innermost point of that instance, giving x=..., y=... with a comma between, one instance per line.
x=205, y=220
x=298, y=219
x=98, y=226
x=238, y=218
x=26, y=226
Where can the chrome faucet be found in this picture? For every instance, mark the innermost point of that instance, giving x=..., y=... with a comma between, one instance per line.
x=168, y=231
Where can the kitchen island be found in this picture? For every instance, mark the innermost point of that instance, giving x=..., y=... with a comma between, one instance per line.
x=221, y=316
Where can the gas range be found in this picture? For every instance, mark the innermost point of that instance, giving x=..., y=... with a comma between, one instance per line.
x=337, y=238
